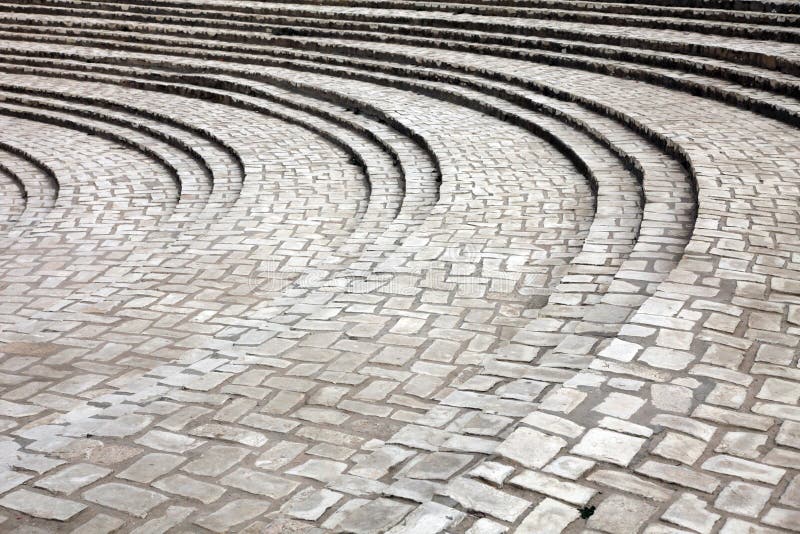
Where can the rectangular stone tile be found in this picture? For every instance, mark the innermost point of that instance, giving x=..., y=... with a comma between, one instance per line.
x=42, y=506
x=191, y=488
x=279, y=455
x=374, y=517
x=553, y=487
x=232, y=514
x=482, y=498
x=72, y=478
x=11, y=479
x=530, y=448
x=730, y=465
x=168, y=441
x=609, y=446
x=173, y=516
x=259, y=483
x=99, y=524
x=430, y=518
x=267, y=422
x=310, y=504
x=620, y=514
x=554, y=424
x=549, y=517
x=216, y=460
x=631, y=483
x=683, y=476
x=125, y=498
x=230, y=433
x=151, y=466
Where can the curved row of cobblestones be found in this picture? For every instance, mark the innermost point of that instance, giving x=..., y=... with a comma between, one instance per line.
x=399, y=266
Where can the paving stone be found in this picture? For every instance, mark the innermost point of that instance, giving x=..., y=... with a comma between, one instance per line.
x=495, y=244
x=311, y=504
x=548, y=516
x=420, y=491
x=216, y=460
x=618, y=514
x=789, y=434
x=173, y=516
x=486, y=526
x=681, y=448
x=43, y=506
x=608, y=446
x=690, y=511
x=265, y=422
x=620, y=405
x=322, y=470
x=99, y=524
x=121, y=427
x=485, y=499
x=229, y=433
x=672, y=398
x=259, y=483
x=232, y=514
x=430, y=518
x=570, y=467
x=631, y=483
x=438, y=466
x=279, y=455
x=72, y=478
x=168, y=441
x=374, y=517
x=737, y=526
x=744, y=468
x=553, y=487
x=151, y=466
x=191, y=488
x=494, y=472
x=124, y=498
x=791, y=495
x=554, y=424
x=530, y=447
x=743, y=498
x=782, y=517
x=679, y=475
x=11, y=479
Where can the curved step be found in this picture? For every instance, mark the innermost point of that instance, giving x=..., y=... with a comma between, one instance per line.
x=646, y=339
x=383, y=208
x=36, y=182
x=584, y=126
x=219, y=160
x=619, y=373
x=764, y=101
x=747, y=51
x=12, y=197
x=475, y=19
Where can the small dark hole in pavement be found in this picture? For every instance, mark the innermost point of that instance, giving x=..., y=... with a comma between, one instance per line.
x=586, y=512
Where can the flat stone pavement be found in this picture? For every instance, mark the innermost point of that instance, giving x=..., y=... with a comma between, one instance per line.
x=407, y=267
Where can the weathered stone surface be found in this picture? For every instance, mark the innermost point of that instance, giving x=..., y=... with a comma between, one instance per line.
x=125, y=498
x=485, y=499
x=72, y=478
x=690, y=511
x=232, y=513
x=549, y=516
x=259, y=483
x=392, y=268
x=530, y=447
x=43, y=506
x=375, y=517
x=608, y=446
x=619, y=514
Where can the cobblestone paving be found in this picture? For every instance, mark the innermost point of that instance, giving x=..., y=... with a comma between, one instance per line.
x=400, y=266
